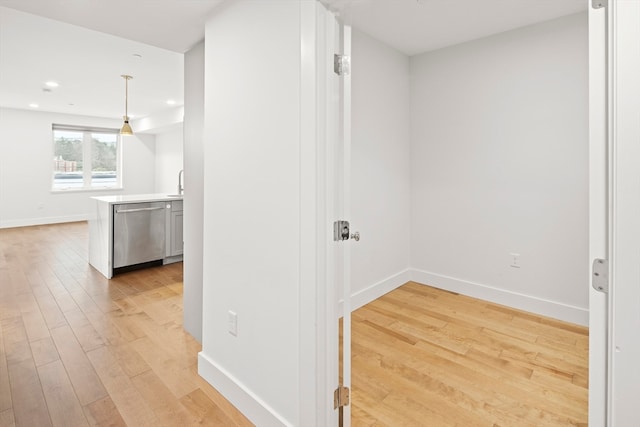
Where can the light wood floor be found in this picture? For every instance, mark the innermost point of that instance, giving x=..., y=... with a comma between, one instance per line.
x=76, y=350
x=426, y=357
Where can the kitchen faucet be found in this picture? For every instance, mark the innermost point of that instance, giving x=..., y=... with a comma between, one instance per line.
x=180, y=186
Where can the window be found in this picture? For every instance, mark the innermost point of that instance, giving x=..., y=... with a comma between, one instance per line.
x=85, y=158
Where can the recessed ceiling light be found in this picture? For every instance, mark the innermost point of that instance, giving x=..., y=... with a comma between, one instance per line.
x=51, y=83
x=171, y=102
x=33, y=105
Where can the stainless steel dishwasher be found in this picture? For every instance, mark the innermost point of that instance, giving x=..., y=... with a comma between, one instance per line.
x=138, y=233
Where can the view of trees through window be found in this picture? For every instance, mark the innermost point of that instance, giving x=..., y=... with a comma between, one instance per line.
x=84, y=159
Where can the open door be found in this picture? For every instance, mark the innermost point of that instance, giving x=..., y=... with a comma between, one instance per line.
x=338, y=202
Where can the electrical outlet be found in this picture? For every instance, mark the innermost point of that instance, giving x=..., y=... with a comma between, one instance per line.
x=515, y=260
x=232, y=323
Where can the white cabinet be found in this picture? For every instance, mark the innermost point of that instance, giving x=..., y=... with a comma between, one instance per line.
x=174, y=244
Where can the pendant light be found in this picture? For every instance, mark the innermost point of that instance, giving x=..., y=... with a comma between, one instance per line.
x=126, y=128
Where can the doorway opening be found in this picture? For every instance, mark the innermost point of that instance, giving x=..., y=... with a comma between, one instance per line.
x=469, y=175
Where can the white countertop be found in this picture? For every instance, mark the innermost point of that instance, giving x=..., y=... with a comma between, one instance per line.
x=135, y=198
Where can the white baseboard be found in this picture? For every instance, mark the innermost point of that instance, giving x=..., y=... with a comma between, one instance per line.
x=43, y=221
x=251, y=406
x=556, y=310
x=376, y=290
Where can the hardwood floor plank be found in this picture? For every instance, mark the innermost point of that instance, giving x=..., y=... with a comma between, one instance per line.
x=124, y=328
x=83, y=330
x=132, y=407
x=64, y=407
x=29, y=406
x=44, y=351
x=172, y=373
x=34, y=324
x=64, y=300
x=162, y=401
x=16, y=344
x=5, y=390
x=204, y=410
x=129, y=359
x=103, y=413
x=50, y=311
x=83, y=377
x=7, y=419
x=165, y=336
x=18, y=280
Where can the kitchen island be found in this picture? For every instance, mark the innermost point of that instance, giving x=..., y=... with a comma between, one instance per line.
x=132, y=231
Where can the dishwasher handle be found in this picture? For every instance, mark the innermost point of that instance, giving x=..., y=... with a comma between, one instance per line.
x=140, y=210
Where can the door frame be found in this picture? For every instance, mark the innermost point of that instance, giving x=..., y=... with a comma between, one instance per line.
x=623, y=134
x=318, y=296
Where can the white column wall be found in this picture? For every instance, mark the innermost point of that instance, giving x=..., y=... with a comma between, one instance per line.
x=194, y=189
x=252, y=208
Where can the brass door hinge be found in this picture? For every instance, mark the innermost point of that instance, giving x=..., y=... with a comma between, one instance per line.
x=340, y=397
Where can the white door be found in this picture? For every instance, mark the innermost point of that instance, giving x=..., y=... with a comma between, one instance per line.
x=343, y=234
x=339, y=254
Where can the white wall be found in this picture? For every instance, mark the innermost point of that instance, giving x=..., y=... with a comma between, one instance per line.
x=500, y=165
x=169, y=156
x=26, y=153
x=380, y=168
x=252, y=221
x=194, y=188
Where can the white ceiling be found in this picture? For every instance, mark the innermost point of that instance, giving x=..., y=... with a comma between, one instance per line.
x=87, y=64
x=417, y=26
x=86, y=45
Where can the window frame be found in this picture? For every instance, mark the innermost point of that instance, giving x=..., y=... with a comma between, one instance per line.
x=87, y=163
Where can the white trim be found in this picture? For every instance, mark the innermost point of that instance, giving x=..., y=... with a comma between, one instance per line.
x=375, y=291
x=246, y=401
x=312, y=292
x=624, y=134
x=554, y=309
x=43, y=221
x=598, y=217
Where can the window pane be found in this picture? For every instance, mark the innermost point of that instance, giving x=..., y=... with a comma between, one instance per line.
x=67, y=159
x=104, y=153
